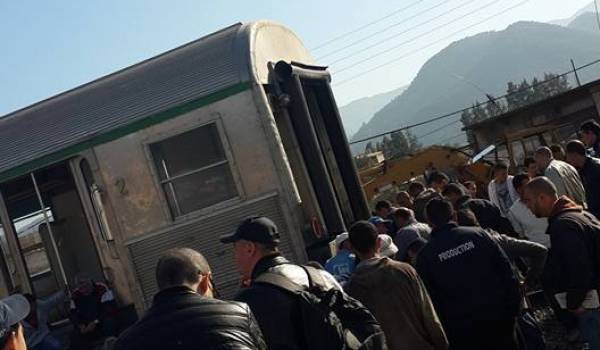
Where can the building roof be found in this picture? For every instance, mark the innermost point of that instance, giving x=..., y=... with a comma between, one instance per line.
x=195, y=74
x=577, y=91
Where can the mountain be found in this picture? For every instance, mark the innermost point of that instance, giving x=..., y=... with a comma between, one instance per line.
x=360, y=111
x=457, y=76
x=565, y=21
x=586, y=22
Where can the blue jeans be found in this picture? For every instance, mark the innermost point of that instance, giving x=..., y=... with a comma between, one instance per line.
x=589, y=325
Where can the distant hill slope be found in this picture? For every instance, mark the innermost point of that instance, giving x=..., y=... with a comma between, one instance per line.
x=565, y=21
x=360, y=111
x=586, y=22
x=490, y=60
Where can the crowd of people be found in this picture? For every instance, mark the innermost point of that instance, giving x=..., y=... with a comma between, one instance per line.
x=440, y=269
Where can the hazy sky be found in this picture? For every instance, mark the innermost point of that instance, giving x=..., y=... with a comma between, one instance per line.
x=50, y=46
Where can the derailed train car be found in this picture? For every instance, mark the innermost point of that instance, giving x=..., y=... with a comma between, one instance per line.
x=175, y=151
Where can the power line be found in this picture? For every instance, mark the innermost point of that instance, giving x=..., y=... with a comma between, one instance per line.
x=384, y=30
x=429, y=45
x=328, y=42
x=447, y=115
x=438, y=129
x=387, y=39
x=378, y=54
x=452, y=137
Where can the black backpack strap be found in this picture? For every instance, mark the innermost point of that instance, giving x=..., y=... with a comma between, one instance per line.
x=280, y=281
x=315, y=278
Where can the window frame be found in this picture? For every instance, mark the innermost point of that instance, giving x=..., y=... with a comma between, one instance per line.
x=159, y=183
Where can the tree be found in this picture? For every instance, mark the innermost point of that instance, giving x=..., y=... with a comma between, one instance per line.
x=517, y=94
x=413, y=142
x=494, y=108
x=478, y=112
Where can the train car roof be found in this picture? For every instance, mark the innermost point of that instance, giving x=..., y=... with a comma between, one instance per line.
x=201, y=72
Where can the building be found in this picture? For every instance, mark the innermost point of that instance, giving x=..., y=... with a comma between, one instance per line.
x=517, y=133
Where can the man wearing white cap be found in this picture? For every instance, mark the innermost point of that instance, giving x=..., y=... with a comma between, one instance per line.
x=13, y=310
x=388, y=249
x=343, y=263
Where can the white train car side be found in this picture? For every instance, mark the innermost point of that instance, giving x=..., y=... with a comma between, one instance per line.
x=175, y=151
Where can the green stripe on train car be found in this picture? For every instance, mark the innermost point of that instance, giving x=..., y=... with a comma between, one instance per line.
x=122, y=131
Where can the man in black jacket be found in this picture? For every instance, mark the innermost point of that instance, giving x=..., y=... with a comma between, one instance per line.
x=589, y=171
x=486, y=212
x=277, y=311
x=470, y=281
x=184, y=314
x=571, y=269
x=590, y=135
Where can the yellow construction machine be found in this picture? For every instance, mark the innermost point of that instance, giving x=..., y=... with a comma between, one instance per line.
x=392, y=174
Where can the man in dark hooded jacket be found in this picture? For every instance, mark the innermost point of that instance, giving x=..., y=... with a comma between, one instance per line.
x=572, y=267
x=487, y=213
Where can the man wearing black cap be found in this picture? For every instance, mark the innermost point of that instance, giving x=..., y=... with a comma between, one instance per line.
x=13, y=310
x=255, y=245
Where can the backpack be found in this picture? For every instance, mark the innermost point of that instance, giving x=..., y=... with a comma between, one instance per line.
x=331, y=319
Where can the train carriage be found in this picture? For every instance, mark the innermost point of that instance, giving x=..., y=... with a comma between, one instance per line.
x=175, y=151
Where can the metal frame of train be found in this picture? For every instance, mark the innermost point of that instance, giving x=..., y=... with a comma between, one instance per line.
x=175, y=151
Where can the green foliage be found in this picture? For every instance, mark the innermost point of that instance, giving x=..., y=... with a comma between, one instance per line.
x=398, y=144
x=518, y=95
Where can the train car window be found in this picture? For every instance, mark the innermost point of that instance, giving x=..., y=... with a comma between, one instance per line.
x=193, y=170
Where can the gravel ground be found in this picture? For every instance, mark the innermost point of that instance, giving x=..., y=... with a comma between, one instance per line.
x=554, y=333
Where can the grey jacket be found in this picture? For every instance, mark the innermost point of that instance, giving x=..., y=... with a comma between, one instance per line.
x=567, y=181
x=533, y=252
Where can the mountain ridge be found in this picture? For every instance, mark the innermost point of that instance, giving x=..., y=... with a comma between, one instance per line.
x=355, y=113
x=522, y=50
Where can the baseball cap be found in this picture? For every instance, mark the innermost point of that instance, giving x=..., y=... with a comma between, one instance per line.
x=13, y=309
x=388, y=248
x=257, y=229
x=375, y=220
x=341, y=238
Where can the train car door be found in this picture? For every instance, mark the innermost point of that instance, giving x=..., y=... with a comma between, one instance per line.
x=51, y=229
x=317, y=148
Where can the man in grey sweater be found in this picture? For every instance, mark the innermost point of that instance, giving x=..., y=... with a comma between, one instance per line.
x=563, y=175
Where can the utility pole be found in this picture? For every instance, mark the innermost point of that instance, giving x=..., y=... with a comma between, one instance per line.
x=597, y=15
x=575, y=71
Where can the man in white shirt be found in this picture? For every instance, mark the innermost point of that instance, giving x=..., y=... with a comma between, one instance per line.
x=523, y=220
x=501, y=190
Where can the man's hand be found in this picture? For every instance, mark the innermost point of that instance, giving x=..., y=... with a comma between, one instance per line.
x=578, y=312
x=89, y=328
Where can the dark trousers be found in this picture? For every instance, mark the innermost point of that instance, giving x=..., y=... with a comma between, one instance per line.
x=489, y=335
x=107, y=327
